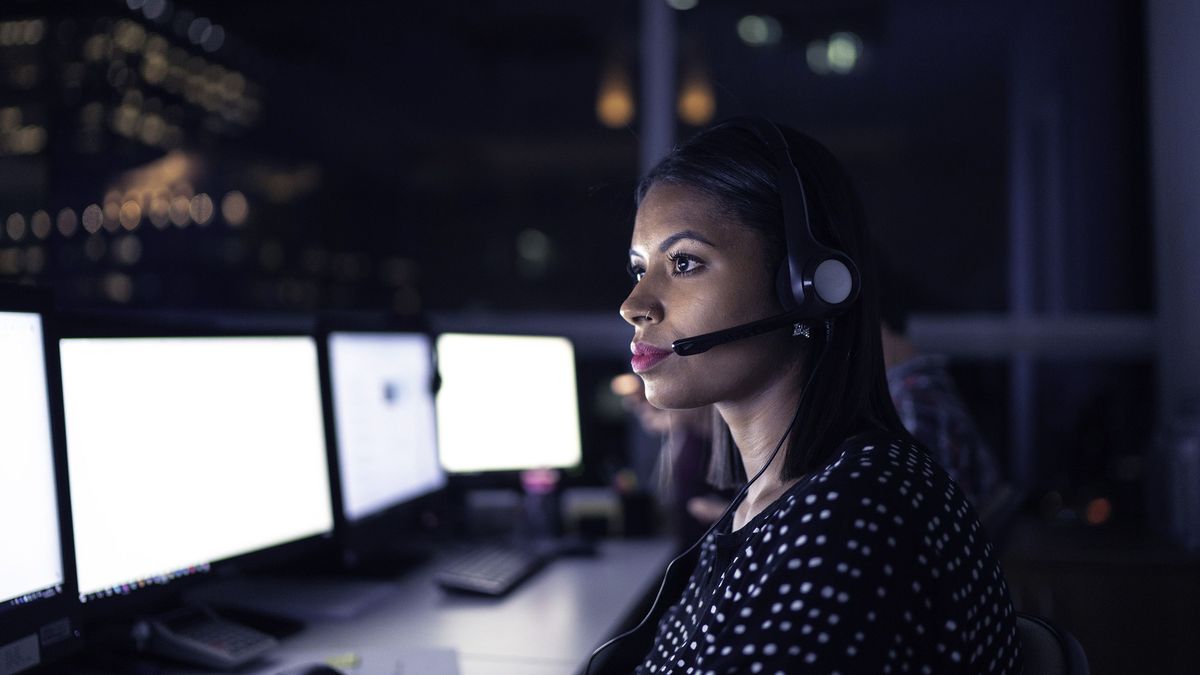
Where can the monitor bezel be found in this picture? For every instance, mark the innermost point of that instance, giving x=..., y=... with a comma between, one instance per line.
x=65, y=605
x=368, y=537
x=158, y=596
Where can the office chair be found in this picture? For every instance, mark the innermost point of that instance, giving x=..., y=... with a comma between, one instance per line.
x=1048, y=649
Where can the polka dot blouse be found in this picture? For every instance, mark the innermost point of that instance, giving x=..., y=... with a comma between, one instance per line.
x=874, y=564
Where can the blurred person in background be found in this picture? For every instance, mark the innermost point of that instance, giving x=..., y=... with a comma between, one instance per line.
x=930, y=406
x=692, y=504
x=932, y=409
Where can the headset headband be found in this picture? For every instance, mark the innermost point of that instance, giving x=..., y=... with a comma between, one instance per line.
x=818, y=280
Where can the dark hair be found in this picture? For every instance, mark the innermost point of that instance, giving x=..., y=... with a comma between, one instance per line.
x=848, y=393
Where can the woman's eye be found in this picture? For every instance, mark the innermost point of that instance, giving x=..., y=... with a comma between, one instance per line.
x=682, y=264
x=636, y=272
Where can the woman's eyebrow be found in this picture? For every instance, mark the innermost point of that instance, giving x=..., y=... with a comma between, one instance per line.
x=678, y=236
x=683, y=234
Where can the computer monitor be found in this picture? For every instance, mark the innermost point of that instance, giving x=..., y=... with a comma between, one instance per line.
x=381, y=391
x=507, y=403
x=36, y=622
x=187, y=451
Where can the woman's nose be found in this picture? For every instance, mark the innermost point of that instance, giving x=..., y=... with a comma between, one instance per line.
x=640, y=307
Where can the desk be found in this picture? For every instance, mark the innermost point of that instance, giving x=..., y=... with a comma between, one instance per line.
x=549, y=624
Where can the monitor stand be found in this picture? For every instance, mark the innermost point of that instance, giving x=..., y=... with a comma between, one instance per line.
x=299, y=598
x=387, y=562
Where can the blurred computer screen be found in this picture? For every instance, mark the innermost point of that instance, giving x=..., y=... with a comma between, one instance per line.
x=184, y=451
x=32, y=564
x=507, y=402
x=383, y=410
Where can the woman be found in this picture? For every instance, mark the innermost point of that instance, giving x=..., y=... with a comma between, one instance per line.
x=852, y=551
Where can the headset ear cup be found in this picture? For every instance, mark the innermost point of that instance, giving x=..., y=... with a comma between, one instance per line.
x=833, y=281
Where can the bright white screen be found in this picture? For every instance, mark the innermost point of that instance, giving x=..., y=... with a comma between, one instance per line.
x=384, y=418
x=32, y=558
x=507, y=402
x=184, y=451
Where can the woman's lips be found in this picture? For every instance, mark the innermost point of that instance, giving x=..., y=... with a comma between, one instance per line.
x=647, y=356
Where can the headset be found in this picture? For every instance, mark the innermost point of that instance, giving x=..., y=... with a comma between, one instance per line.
x=814, y=282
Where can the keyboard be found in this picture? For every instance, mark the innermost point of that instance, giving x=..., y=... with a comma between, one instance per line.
x=198, y=636
x=489, y=569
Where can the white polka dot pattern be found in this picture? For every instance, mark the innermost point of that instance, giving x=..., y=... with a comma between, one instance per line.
x=875, y=564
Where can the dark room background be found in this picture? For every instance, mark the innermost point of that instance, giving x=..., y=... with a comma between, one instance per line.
x=473, y=163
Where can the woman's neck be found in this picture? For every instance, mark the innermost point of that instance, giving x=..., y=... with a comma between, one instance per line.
x=757, y=424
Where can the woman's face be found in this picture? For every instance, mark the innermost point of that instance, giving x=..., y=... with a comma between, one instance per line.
x=700, y=271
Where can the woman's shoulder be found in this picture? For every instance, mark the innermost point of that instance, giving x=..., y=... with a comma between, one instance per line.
x=877, y=449
x=878, y=547
x=878, y=483
x=880, y=464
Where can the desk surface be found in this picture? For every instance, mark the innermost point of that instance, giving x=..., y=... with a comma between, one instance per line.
x=549, y=624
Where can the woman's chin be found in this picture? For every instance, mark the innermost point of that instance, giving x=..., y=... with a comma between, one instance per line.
x=672, y=398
